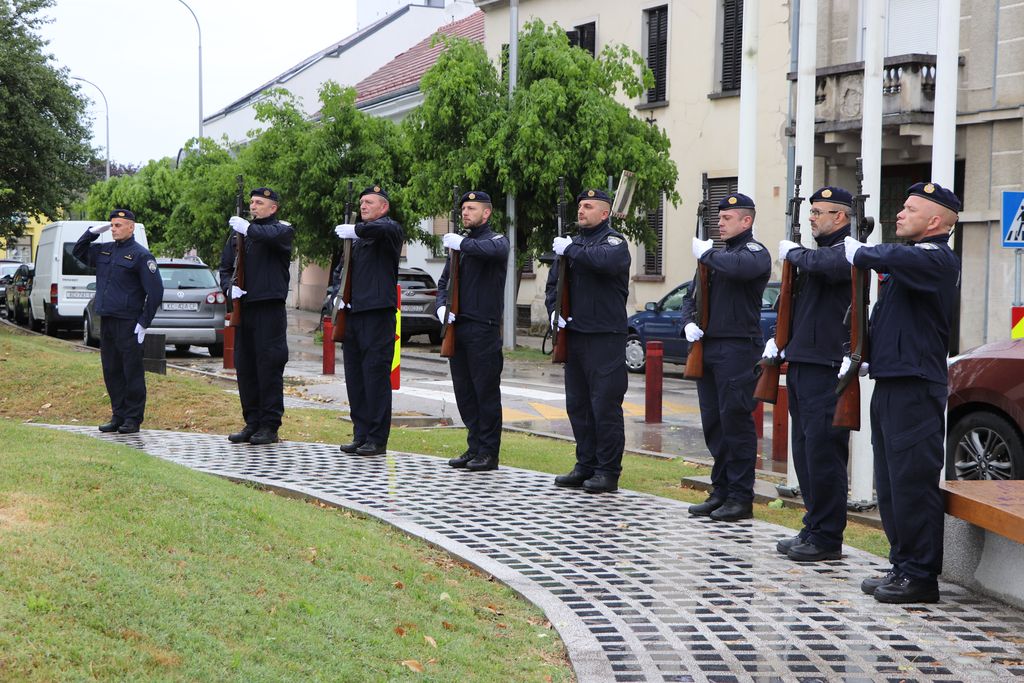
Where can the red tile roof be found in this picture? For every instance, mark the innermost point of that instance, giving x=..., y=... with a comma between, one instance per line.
x=408, y=68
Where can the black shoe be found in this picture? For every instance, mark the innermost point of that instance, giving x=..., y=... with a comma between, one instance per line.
x=128, y=427
x=870, y=584
x=808, y=552
x=111, y=426
x=242, y=436
x=264, y=436
x=601, y=483
x=733, y=511
x=707, y=507
x=458, y=462
x=483, y=463
x=351, y=447
x=574, y=479
x=371, y=448
x=785, y=544
x=904, y=590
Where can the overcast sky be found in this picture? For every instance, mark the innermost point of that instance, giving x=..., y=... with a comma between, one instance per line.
x=143, y=54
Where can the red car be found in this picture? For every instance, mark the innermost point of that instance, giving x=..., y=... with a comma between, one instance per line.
x=985, y=435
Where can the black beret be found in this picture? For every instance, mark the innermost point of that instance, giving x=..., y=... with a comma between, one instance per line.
x=266, y=193
x=475, y=196
x=834, y=195
x=936, y=193
x=377, y=190
x=599, y=195
x=736, y=201
x=121, y=213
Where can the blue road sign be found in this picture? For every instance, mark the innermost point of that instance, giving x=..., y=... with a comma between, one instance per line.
x=1013, y=220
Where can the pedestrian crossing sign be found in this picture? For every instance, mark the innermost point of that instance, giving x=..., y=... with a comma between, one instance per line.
x=1017, y=322
x=1013, y=220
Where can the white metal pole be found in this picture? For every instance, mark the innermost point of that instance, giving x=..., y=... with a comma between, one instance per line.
x=946, y=71
x=509, y=324
x=747, y=181
x=199, y=30
x=106, y=116
x=807, y=58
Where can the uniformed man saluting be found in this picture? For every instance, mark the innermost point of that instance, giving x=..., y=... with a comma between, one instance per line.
x=909, y=339
x=476, y=365
x=369, y=344
x=261, y=342
x=737, y=277
x=128, y=293
x=595, y=372
x=815, y=352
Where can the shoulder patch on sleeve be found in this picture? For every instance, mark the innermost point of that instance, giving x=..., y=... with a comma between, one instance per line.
x=151, y=265
x=754, y=247
x=614, y=241
x=929, y=246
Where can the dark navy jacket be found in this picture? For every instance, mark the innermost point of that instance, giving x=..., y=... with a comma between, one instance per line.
x=482, y=269
x=128, y=283
x=737, y=276
x=910, y=324
x=374, y=265
x=268, y=255
x=598, y=278
x=822, y=299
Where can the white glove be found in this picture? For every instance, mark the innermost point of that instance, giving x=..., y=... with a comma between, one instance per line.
x=440, y=315
x=851, y=245
x=452, y=240
x=692, y=332
x=845, y=367
x=559, y=244
x=771, y=350
x=701, y=247
x=100, y=229
x=237, y=292
x=341, y=303
x=346, y=231
x=239, y=224
x=140, y=332
x=562, y=322
x=786, y=246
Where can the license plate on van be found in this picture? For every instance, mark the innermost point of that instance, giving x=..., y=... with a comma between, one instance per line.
x=180, y=306
x=79, y=294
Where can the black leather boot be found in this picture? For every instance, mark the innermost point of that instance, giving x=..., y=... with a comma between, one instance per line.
x=574, y=479
x=244, y=435
x=483, y=463
x=733, y=511
x=462, y=460
x=707, y=507
x=264, y=436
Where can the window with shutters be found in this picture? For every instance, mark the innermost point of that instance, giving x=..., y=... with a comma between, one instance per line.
x=584, y=37
x=718, y=189
x=730, y=57
x=656, y=22
x=653, y=258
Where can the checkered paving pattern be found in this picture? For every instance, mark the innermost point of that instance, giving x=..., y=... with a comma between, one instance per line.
x=638, y=589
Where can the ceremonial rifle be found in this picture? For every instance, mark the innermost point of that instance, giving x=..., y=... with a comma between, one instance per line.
x=344, y=294
x=559, y=342
x=454, y=256
x=767, y=388
x=847, y=415
x=695, y=358
x=238, y=277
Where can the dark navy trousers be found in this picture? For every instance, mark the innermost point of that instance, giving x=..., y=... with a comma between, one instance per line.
x=820, y=452
x=595, y=384
x=907, y=428
x=261, y=352
x=123, y=370
x=726, y=396
x=369, y=348
x=476, y=377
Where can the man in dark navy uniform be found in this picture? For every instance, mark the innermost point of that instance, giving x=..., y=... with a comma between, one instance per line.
x=815, y=352
x=261, y=342
x=476, y=365
x=595, y=327
x=369, y=344
x=128, y=293
x=909, y=340
x=737, y=275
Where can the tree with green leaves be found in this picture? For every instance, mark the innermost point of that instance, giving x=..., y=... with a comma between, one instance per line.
x=44, y=136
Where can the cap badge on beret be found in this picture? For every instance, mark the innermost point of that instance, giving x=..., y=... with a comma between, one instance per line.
x=120, y=214
x=472, y=195
x=376, y=188
x=929, y=188
x=732, y=200
x=266, y=193
x=590, y=193
x=826, y=193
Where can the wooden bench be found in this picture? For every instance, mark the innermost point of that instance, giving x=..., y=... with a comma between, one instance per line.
x=984, y=537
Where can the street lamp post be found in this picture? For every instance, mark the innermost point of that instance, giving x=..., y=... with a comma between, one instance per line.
x=200, y=32
x=106, y=115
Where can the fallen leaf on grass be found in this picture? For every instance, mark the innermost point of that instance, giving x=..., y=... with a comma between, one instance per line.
x=414, y=665
x=430, y=641
x=492, y=608
x=400, y=632
x=399, y=585
x=45, y=406
x=447, y=626
x=365, y=579
x=444, y=596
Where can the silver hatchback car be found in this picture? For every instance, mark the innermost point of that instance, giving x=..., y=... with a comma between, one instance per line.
x=192, y=312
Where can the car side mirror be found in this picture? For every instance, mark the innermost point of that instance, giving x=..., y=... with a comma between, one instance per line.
x=650, y=306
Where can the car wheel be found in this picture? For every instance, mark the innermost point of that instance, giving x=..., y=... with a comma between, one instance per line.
x=435, y=338
x=87, y=336
x=216, y=350
x=47, y=326
x=182, y=348
x=636, y=356
x=983, y=445
x=33, y=324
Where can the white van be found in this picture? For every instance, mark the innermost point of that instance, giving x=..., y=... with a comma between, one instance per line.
x=63, y=285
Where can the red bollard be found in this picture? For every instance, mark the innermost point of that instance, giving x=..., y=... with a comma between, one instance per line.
x=780, y=427
x=328, y=347
x=655, y=356
x=759, y=419
x=229, y=346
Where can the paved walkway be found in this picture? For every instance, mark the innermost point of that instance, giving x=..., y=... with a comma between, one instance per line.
x=638, y=589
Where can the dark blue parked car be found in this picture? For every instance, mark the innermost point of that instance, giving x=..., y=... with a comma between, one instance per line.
x=662, y=321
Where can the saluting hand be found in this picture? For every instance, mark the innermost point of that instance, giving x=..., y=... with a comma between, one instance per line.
x=701, y=247
x=100, y=229
x=851, y=246
x=346, y=231
x=452, y=241
x=692, y=332
x=239, y=224
x=786, y=246
x=559, y=245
